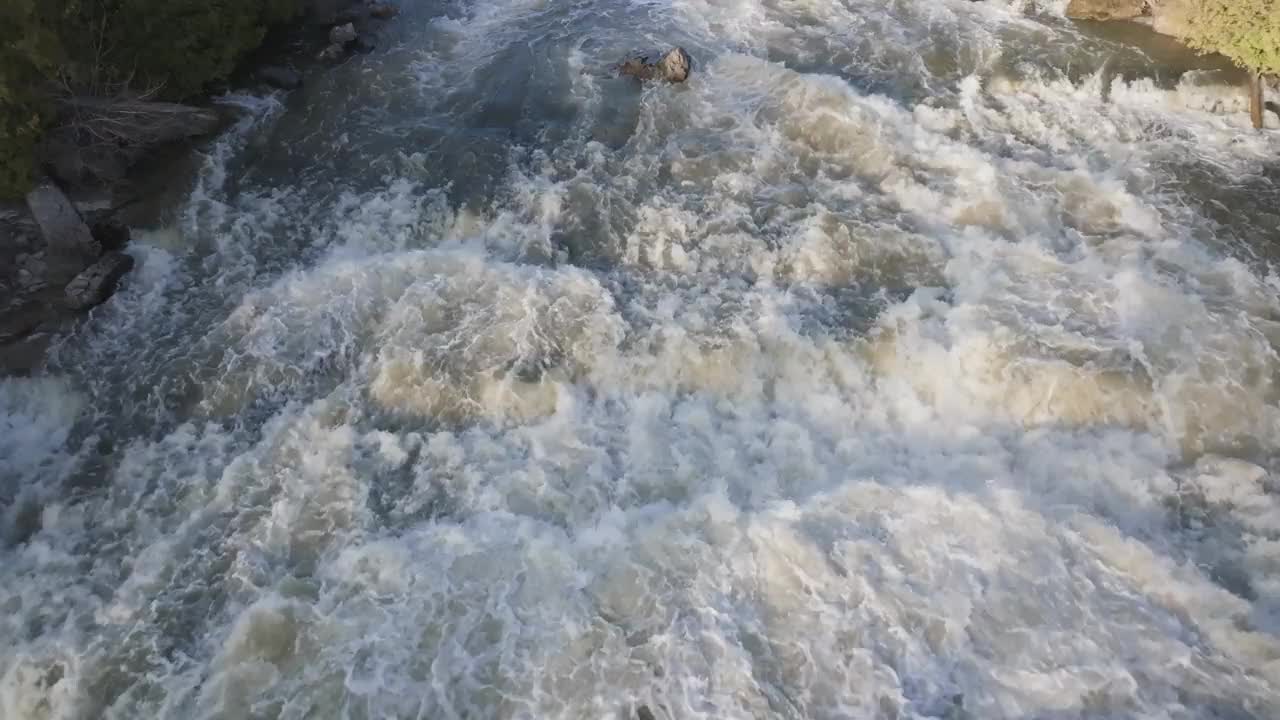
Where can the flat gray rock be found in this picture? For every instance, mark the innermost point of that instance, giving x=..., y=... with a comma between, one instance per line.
x=343, y=34
x=64, y=231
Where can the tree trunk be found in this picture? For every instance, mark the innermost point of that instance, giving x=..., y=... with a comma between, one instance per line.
x=1255, y=99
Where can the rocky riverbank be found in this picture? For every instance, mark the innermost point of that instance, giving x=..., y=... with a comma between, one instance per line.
x=64, y=250
x=1185, y=21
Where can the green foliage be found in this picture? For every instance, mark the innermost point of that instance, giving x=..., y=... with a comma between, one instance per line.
x=100, y=47
x=18, y=136
x=1247, y=31
x=30, y=51
x=179, y=46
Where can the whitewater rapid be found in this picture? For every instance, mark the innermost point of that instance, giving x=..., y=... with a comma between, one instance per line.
x=910, y=361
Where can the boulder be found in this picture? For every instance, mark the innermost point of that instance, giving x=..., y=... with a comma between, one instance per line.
x=672, y=66
x=343, y=34
x=1214, y=91
x=64, y=232
x=676, y=65
x=364, y=43
x=1106, y=9
x=279, y=76
x=98, y=281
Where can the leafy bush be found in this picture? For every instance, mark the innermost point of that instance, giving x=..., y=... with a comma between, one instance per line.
x=173, y=48
x=178, y=46
x=1247, y=31
x=30, y=52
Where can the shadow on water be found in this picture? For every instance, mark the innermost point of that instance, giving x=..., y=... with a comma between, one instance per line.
x=1243, y=212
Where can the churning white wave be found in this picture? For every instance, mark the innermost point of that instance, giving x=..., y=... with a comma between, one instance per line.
x=887, y=369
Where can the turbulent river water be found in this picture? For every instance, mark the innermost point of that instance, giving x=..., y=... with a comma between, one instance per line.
x=916, y=359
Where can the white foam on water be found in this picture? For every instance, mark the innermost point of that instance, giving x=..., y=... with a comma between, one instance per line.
x=853, y=407
x=207, y=206
x=36, y=419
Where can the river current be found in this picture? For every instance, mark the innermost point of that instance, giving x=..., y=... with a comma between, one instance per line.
x=915, y=359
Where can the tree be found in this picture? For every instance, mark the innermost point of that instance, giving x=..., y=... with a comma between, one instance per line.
x=179, y=46
x=52, y=48
x=30, y=52
x=1247, y=31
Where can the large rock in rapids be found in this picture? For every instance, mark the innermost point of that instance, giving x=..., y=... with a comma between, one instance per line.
x=673, y=66
x=98, y=281
x=98, y=140
x=1106, y=9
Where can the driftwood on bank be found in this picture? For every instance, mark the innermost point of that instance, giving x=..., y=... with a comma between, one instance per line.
x=97, y=140
x=73, y=250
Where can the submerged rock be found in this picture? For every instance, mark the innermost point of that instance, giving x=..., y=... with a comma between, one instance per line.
x=673, y=66
x=364, y=44
x=98, y=281
x=1106, y=9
